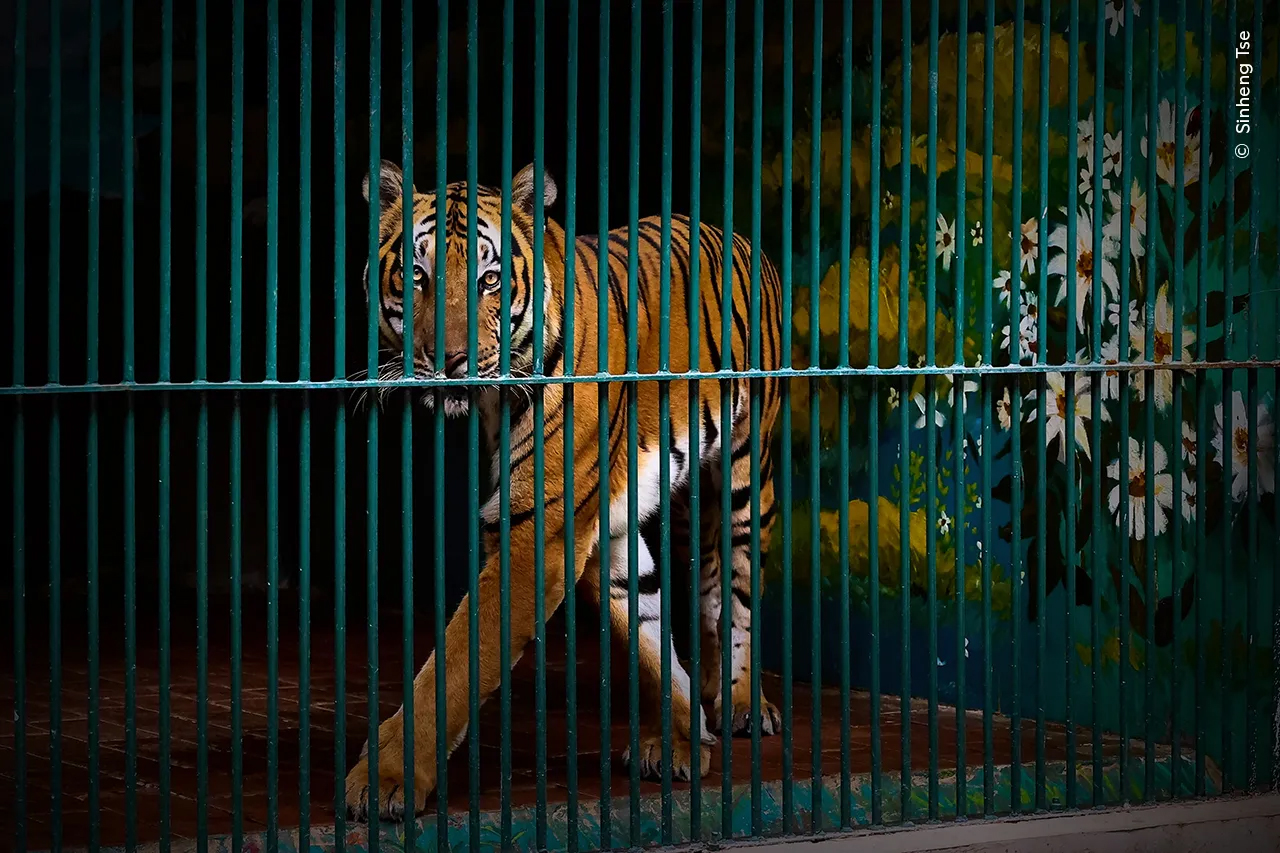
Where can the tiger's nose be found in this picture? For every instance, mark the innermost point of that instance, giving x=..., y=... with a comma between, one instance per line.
x=455, y=364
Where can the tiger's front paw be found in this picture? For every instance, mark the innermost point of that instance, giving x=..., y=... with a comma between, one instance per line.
x=651, y=743
x=385, y=795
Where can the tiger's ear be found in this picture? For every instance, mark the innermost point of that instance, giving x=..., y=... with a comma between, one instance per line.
x=390, y=184
x=522, y=189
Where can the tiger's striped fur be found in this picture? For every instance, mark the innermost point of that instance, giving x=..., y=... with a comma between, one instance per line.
x=383, y=791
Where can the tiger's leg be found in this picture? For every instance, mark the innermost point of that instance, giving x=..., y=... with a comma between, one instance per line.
x=740, y=584
x=650, y=642
x=381, y=792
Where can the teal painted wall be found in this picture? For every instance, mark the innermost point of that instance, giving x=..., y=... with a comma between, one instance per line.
x=1209, y=619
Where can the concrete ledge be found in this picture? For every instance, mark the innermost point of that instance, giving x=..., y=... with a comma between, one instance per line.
x=1236, y=825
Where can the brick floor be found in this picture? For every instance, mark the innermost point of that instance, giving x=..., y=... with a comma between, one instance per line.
x=326, y=770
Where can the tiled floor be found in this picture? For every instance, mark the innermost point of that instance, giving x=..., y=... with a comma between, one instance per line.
x=326, y=770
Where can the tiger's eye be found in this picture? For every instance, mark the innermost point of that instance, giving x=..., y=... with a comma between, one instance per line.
x=490, y=279
x=418, y=274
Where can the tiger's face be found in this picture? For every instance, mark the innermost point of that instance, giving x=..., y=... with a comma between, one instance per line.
x=398, y=275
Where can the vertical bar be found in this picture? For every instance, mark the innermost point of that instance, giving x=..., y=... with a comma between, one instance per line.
x=1041, y=393
x=408, y=266
x=1175, y=527
x=19, y=427
x=958, y=446
x=1016, y=572
x=539, y=424
x=664, y=417
x=931, y=400
x=1202, y=394
x=815, y=491
x=339, y=425
x=235, y=509
x=92, y=520
x=202, y=428
x=1226, y=759
x=728, y=399
x=55, y=429
x=846, y=192
x=904, y=435
x=756, y=393
x=273, y=428
x=504, y=479
x=570, y=561
x=694, y=320
x=371, y=358
x=304, y=427
x=1252, y=628
x=1153, y=72
x=604, y=456
x=873, y=360
x=1123, y=339
x=165, y=484
x=985, y=403
x=633, y=428
x=1068, y=434
x=1097, y=550
x=788, y=108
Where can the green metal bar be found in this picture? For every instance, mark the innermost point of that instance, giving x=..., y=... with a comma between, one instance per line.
x=1126, y=202
x=1016, y=356
x=727, y=400
x=19, y=813
x=904, y=433
x=753, y=355
x=539, y=423
x=1097, y=550
x=815, y=575
x=1252, y=628
x=959, y=450
x=931, y=402
x=1069, y=378
x=304, y=426
x=664, y=417
x=92, y=519
x=842, y=491
x=409, y=295
x=202, y=428
x=633, y=428
x=504, y=477
x=570, y=562
x=694, y=320
x=1225, y=751
x=473, y=454
x=984, y=402
x=1179, y=241
x=788, y=107
x=339, y=425
x=235, y=508
x=1202, y=404
x=371, y=358
x=273, y=427
x=1153, y=72
x=55, y=430
x=604, y=457
x=873, y=360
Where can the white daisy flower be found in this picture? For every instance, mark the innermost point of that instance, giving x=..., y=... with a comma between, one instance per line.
x=1003, y=286
x=1137, y=220
x=939, y=418
x=1086, y=182
x=1166, y=152
x=1163, y=347
x=946, y=242
x=1137, y=489
x=1084, y=137
x=1115, y=14
x=976, y=233
x=1029, y=248
x=1110, y=352
x=944, y=523
x=1112, y=153
x=893, y=398
x=1056, y=412
x=1188, y=497
x=1087, y=267
x=1264, y=446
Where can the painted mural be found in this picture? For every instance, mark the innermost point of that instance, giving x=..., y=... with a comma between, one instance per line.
x=1102, y=551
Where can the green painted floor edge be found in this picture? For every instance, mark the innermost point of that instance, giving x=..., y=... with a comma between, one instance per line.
x=523, y=821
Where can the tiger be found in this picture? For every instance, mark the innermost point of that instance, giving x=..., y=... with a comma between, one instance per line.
x=381, y=791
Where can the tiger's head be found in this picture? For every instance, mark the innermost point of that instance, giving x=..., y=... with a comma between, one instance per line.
x=419, y=274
